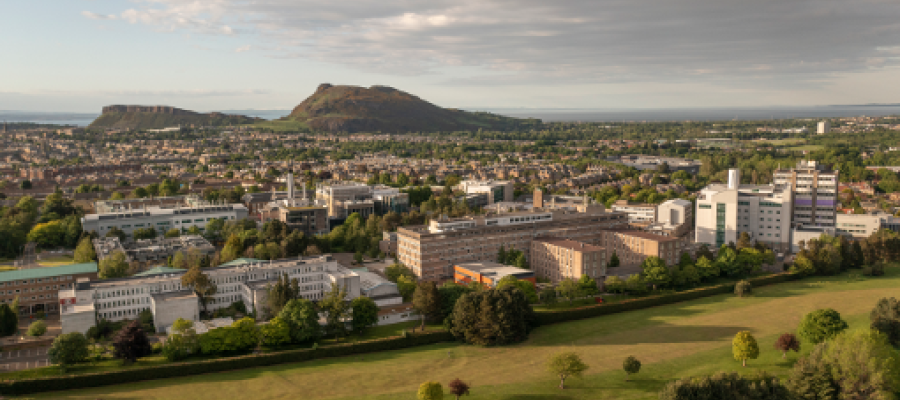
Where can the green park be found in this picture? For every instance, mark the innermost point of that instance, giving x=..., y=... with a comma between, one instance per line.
x=690, y=338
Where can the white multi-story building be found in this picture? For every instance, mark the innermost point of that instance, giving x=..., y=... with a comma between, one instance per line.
x=673, y=218
x=638, y=214
x=815, y=193
x=241, y=280
x=162, y=219
x=725, y=211
x=496, y=191
x=823, y=127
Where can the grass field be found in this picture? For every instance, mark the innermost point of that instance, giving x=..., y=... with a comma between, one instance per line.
x=808, y=147
x=56, y=261
x=780, y=142
x=672, y=341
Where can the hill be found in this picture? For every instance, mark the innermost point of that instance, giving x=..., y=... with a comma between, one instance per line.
x=385, y=109
x=157, y=117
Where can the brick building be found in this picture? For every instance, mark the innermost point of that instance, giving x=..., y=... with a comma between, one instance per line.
x=556, y=259
x=37, y=288
x=632, y=247
x=430, y=251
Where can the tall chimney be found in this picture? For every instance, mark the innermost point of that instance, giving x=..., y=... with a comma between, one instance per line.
x=734, y=178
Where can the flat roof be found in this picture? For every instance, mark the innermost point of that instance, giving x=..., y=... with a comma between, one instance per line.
x=179, y=295
x=490, y=268
x=644, y=235
x=46, y=272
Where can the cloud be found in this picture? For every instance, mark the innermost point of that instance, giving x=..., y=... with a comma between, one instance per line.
x=242, y=49
x=563, y=41
x=92, y=15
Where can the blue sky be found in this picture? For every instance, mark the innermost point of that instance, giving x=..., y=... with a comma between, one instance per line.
x=78, y=55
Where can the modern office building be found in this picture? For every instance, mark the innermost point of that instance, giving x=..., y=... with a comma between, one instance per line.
x=639, y=214
x=431, y=250
x=240, y=280
x=496, y=191
x=37, y=288
x=345, y=198
x=162, y=218
x=815, y=188
x=557, y=259
x=823, y=127
x=724, y=211
x=673, y=218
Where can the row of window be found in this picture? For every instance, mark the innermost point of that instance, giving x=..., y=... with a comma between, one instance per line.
x=38, y=280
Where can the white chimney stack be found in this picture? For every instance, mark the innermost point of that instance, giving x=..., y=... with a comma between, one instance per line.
x=734, y=178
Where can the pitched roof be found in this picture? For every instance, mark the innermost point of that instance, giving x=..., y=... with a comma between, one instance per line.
x=46, y=272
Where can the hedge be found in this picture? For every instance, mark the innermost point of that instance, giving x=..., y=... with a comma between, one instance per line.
x=553, y=317
x=174, y=370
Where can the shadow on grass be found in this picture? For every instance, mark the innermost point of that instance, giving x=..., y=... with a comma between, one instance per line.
x=538, y=396
x=672, y=334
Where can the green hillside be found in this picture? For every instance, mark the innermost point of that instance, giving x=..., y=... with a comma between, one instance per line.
x=158, y=117
x=385, y=109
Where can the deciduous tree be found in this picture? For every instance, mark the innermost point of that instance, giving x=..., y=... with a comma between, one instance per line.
x=458, y=388
x=787, y=342
x=564, y=365
x=303, y=317
x=820, y=325
x=114, y=265
x=200, y=283
x=430, y=391
x=131, y=343
x=365, y=313
x=427, y=302
x=631, y=365
x=85, y=253
x=68, y=349
x=744, y=347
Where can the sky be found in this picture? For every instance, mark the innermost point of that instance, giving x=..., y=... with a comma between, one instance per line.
x=79, y=55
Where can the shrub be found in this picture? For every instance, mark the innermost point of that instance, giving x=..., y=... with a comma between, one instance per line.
x=743, y=288
x=886, y=319
x=876, y=269
x=726, y=386
x=37, y=328
x=156, y=348
x=430, y=391
x=631, y=365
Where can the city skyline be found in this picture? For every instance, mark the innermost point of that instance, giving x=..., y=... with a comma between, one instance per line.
x=271, y=54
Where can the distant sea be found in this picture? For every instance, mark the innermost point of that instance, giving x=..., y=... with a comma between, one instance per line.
x=558, y=114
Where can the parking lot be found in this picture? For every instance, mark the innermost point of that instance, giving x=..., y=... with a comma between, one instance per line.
x=23, y=359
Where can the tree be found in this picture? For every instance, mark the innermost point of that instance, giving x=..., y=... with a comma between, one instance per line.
x=587, y=285
x=852, y=365
x=200, y=283
x=427, y=302
x=283, y=291
x=116, y=232
x=173, y=233
x=501, y=255
x=564, y=365
x=407, y=287
x=131, y=343
x=336, y=310
x=182, y=325
x=25, y=184
x=276, y=333
x=744, y=347
x=631, y=365
x=492, y=317
x=614, y=284
x=787, y=342
x=68, y=349
x=655, y=271
x=9, y=320
x=704, y=251
x=48, y=234
x=885, y=318
x=820, y=325
x=114, y=265
x=743, y=288
x=744, y=241
x=303, y=318
x=458, y=388
x=803, y=266
x=395, y=271
x=84, y=253
x=430, y=391
x=365, y=313
x=145, y=233
x=613, y=261
x=568, y=288
x=37, y=328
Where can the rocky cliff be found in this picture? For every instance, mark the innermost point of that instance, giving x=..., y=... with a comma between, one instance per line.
x=385, y=109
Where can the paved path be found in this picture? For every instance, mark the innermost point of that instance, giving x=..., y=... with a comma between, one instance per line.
x=23, y=359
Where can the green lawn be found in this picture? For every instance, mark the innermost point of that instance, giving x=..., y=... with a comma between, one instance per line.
x=808, y=147
x=56, y=261
x=672, y=341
